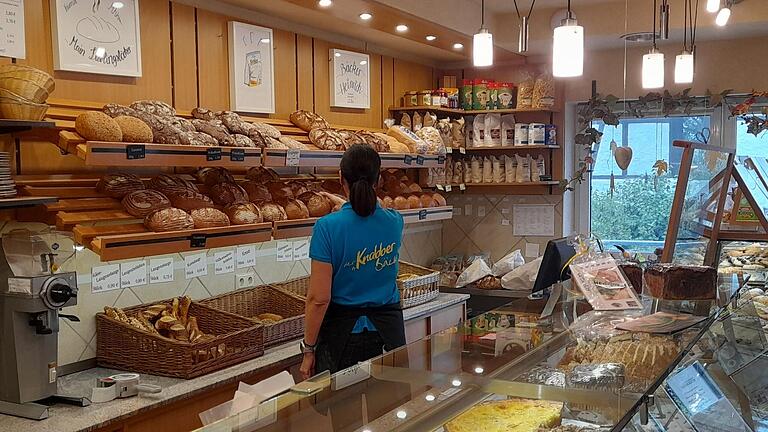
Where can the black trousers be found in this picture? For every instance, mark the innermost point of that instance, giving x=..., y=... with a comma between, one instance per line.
x=359, y=347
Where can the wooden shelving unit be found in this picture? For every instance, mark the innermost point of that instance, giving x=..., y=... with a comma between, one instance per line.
x=460, y=111
x=25, y=201
x=506, y=149
x=331, y=159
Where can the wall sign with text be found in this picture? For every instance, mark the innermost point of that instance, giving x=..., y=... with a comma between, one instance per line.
x=350, y=79
x=251, y=70
x=95, y=36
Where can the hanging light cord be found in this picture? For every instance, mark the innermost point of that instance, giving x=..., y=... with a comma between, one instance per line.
x=482, y=14
x=530, y=11
x=570, y=16
x=654, y=24
x=692, y=19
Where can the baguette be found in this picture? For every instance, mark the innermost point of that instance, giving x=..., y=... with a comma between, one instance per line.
x=175, y=308
x=184, y=304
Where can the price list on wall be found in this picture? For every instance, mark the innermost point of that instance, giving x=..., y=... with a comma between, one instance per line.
x=12, y=29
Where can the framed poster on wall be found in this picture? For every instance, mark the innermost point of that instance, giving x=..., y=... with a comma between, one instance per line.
x=350, y=79
x=12, y=43
x=251, y=68
x=95, y=36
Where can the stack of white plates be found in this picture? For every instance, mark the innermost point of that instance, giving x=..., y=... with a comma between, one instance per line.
x=7, y=185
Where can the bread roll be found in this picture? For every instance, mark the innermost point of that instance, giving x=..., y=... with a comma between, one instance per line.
x=169, y=219
x=257, y=192
x=414, y=201
x=295, y=209
x=272, y=212
x=97, y=126
x=401, y=203
x=413, y=187
x=189, y=200
x=427, y=201
x=439, y=200
x=280, y=191
x=140, y=203
x=387, y=202
x=210, y=176
x=168, y=184
x=243, y=213
x=317, y=204
x=307, y=120
x=134, y=130
x=119, y=185
x=327, y=139
x=261, y=175
x=209, y=217
x=228, y=193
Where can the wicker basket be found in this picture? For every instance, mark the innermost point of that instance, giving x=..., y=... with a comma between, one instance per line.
x=37, y=76
x=121, y=346
x=24, y=88
x=298, y=287
x=16, y=110
x=418, y=290
x=252, y=302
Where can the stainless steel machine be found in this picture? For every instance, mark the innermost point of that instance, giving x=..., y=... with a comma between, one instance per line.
x=31, y=296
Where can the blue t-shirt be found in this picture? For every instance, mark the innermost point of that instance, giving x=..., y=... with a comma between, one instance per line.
x=364, y=253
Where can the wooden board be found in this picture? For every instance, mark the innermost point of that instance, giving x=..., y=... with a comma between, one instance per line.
x=332, y=159
x=99, y=153
x=293, y=228
x=427, y=215
x=85, y=233
x=67, y=220
x=84, y=204
x=72, y=192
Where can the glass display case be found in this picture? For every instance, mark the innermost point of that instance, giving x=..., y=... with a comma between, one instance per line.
x=511, y=370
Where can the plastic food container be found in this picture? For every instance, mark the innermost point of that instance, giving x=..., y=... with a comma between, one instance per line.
x=411, y=98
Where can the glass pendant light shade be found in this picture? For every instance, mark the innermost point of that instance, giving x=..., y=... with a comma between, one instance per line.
x=684, y=68
x=482, y=48
x=653, y=70
x=713, y=6
x=722, y=17
x=568, y=49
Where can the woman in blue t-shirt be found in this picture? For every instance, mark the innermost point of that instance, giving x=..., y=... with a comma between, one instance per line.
x=353, y=311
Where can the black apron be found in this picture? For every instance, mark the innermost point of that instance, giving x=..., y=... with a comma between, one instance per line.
x=340, y=320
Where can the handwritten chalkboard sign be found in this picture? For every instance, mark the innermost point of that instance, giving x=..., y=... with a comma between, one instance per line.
x=350, y=79
x=12, y=29
x=96, y=36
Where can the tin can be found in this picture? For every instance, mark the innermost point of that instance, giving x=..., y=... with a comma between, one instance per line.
x=480, y=96
x=537, y=134
x=411, y=98
x=521, y=134
x=425, y=97
x=551, y=135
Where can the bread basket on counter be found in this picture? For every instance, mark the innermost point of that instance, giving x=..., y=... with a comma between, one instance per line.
x=252, y=302
x=298, y=287
x=419, y=289
x=121, y=346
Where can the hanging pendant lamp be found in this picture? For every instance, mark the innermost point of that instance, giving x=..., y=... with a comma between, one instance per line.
x=522, y=37
x=724, y=15
x=568, y=48
x=653, y=62
x=684, y=63
x=482, y=43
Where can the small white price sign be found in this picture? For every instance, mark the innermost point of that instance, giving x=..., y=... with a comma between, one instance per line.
x=160, y=270
x=292, y=157
x=224, y=262
x=195, y=265
x=246, y=256
x=449, y=150
x=505, y=222
x=301, y=250
x=284, y=251
x=467, y=209
x=448, y=188
x=133, y=274
x=462, y=150
x=462, y=186
x=105, y=278
x=481, y=211
x=439, y=187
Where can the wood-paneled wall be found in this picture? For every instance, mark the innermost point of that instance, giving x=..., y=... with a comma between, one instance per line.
x=185, y=62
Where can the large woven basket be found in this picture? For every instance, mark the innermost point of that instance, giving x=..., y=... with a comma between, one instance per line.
x=16, y=110
x=419, y=290
x=252, y=302
x=121, y=346
x=298, y=287
x=24, y=88
x=43, y=79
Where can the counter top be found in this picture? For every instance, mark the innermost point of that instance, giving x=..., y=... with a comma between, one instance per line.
x=66, y=418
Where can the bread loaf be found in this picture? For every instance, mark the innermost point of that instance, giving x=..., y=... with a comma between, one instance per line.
x=317, y=204
x=351, y=138
x=295, y=209
x=134, y=130
x=261, y=174
x=243, y=213
x=378, y=143
x=292, y=143
x=114, y=110
x=414, y=201
x=332, y=186
x=272, y=212
x=210, y=176
x=97, y=126
x=243, y=141
x=140, y=203
x=228, y=193
x=216, y=129
x=280, y=191
x=234, y=123
x=336, y=200
x=327, y=139
x=439, y=200
x=400, y=203
x=434, y=141
x=427, y=201
x=678, y=282
x=387, y=202
x=168, y=184
x=209, y=217
x=264, y=134
x=405, y=136
x=119, y=185
x=158, y=108
x=257, y=192
x=203, y=114
x=169, y=219
x=307, y=120
x=189, y=200
x=297, y=187
x=393, y=144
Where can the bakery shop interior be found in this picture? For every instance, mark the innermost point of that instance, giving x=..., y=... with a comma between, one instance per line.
x=383, y=215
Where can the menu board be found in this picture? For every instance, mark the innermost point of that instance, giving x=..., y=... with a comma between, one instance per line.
x=12, y=42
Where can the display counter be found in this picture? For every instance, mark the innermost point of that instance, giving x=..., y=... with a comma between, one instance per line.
x=509, y=370
x=176, y=408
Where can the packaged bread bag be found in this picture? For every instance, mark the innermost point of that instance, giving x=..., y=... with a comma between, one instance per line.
x=405, y=136
x=434, y=141
x=487, y=170
x=458, y=172
x=429, y=119
x=417, y=122
x=448, y=170
x=477, y=170
x=525, y=91
x=478, y=131
x=492, y=130
x=508, y=130
x=498, y=173
x=538, y=168
x=405, y=121
x=523, y=171
x=510, y=169
x=467, y=171
x=458, y=132
x=543, y=92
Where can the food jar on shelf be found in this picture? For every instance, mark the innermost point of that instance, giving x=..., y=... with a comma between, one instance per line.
x=444, y=98
x=466, y=94
x=493, y=95
x=506, y=95
x=436, y=98
x=425, y=97
x=411, y=98
x=480, y=94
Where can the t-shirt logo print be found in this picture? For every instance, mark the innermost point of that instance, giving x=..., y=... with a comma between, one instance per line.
x=380, y=256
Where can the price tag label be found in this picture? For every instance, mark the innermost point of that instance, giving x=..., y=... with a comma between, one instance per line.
x=419, y=160
x=505, y=211
x=135, y=151
x=246, y=256
x=449, y=150
x=301, y=250
x=352, y=375
x=407, y=159
x=237, y=155
x=284, y=251
x=462, y=187
x=213, y=154
x=292, y=157
x=105, y=278
x=457, y=211
x=505, y=222
x=440, y=187
x=160, y=270
x=133, y=274
x=423, y=214
x=448, y=188
x=195, y=265
x=224, y=262
x=462, y=150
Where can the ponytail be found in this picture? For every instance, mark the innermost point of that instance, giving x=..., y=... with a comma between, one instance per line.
x=360, y=168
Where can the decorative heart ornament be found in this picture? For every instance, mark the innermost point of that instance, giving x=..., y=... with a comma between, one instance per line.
x=623, y=156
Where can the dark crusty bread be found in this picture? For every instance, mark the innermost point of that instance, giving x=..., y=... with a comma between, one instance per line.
x=272, y=212
x=169, y=219
x=261, y=174
x=317, y=204
x=189, y=200
x=228, y=193
x=168, y=184
x=280, y=191
x=307, y=120
x=295, y=209
x=257, y=192
x=327, y=139
x=243, y=213
x=119, y=185
x=210, y=176
x=209, y=217
x=142, y=202
x=677, y=282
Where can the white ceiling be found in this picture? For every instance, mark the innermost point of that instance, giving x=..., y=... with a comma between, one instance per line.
x=505, y=6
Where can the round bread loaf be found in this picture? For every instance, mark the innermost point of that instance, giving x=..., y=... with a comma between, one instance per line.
x=265, y=130
x=256, y=191
x=413, y=187
x=189, y=200
x=332, y=186
x=168, y=184
x=327, y=139
x=414, y=201
x=261, y=174
x=351, y=138
x=317, y=204
x=140, y=203
x=307, y=120
x=134, y=130
x=119, y=185
x=427, y=200
x=439, y=200
x=280, y=191
x=169, y=219
x=210, y=176
x=295, y=209
x=209, y=217
x=272, y=212
x=387, y=202
x=400, y=203
x=336, y=200
x=297, y=187
x=228, y=193
x=97, y=126
x=243, y=213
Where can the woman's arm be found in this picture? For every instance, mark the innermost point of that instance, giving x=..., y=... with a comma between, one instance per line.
x=318, y=298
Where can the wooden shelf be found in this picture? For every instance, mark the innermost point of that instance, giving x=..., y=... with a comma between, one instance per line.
x=8, y=126
x=501, y=149
x=526, y=184
x=331, y=159
x=427, y=215
x=468, y=112
x=25, y=201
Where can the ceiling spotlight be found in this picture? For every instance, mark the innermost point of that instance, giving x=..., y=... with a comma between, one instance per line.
x=653, y=62
x=324, y=3
x=118, y=5
x=722, y=17
x=713, y=6
x=365, y=16
x=401, y=28
x=430, y=37
x=430, y=397
x=568, y=48
x=684, y=68
x=401, y=414
x=458, y=46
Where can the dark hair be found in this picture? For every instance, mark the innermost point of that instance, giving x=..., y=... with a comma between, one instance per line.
x=360, y=168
